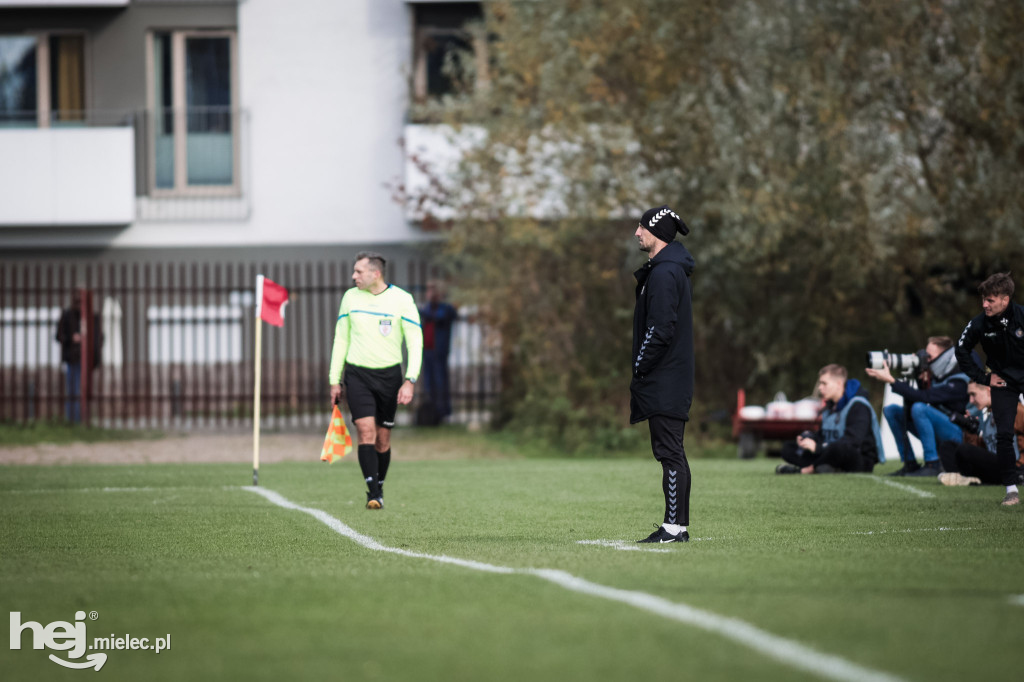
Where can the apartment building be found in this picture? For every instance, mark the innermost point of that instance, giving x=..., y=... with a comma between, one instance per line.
x=179, y=146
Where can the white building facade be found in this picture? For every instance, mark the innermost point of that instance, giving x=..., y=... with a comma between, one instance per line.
x=192, y=124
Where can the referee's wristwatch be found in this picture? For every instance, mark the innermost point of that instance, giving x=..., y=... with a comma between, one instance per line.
x=410, y=380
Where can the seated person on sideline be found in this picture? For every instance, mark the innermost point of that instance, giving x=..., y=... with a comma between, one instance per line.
x=974, y=461
x=849, y=439
x=925, y=411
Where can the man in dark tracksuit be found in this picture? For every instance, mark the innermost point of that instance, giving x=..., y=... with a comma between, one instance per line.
x=663, y=366
x=1000, y=330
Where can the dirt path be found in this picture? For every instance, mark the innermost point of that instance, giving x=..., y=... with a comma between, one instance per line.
x=230, y=447
x=172, y=449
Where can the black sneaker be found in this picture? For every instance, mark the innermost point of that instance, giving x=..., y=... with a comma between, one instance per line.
x=932, y=469
x=787, y=469
x=905, y=470
x=662, y=536
x=374, y=501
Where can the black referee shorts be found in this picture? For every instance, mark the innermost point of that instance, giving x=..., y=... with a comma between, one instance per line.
x=373, y=393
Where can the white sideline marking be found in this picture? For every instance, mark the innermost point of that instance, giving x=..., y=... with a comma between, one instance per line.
x=1017, y=600
x=785, y=651
x=102, y=490
x=908, y=530
x=901, y=486
x=621, y=545
x=627, y=546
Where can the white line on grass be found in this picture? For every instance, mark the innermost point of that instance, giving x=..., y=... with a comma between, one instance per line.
x=626, y=546
x=621, y=545
x=901, y=486
x=38, y=491
x=779, y=648
x=1017, y=600
x=908, y=530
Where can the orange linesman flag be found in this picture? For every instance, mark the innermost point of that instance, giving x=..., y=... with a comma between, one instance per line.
x=338, y=442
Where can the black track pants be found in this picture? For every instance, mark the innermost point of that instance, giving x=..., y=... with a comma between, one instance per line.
x=667, y=446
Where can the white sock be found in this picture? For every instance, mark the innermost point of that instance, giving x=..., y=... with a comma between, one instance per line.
x=1011, y=488
x=673, y=528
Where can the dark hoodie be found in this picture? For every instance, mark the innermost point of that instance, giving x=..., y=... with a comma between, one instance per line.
x=663, y=363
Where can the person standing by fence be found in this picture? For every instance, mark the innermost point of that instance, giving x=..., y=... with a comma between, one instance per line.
x=437, y=316
x=69, y=336
x=374, y=319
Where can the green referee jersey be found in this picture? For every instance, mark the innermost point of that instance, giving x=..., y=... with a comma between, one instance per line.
x=371, y=328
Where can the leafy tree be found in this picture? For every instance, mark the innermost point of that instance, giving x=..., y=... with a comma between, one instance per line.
x=850, y=170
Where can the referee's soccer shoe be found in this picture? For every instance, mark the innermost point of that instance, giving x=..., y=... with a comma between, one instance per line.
x=661, y=536
x=374, y=502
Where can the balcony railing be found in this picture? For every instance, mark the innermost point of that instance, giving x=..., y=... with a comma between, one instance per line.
x=68, y=168
x=192, y=164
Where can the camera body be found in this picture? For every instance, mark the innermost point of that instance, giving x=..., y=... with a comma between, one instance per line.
x=967, y=423
x=904, y=363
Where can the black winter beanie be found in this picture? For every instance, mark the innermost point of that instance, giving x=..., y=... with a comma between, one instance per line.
x=663, y=223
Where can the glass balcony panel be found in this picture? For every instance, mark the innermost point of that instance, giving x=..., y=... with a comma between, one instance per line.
x=18, y=97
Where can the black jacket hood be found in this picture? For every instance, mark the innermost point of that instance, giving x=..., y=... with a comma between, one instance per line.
x=675, y=252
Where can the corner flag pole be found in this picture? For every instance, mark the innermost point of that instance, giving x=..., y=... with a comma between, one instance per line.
x=271, y=298
x=256, y=403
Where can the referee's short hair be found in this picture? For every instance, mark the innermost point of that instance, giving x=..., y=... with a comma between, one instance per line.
x=375, y=260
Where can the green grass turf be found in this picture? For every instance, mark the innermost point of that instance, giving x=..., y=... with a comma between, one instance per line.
x=251, y=591
x=61, y=432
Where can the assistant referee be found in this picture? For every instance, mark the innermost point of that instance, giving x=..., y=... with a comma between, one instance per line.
x=374, y=318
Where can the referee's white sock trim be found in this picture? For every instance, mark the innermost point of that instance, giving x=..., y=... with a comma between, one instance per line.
x=673, y=528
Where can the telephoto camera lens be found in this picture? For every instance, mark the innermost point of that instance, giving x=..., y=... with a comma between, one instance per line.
x=904, y=363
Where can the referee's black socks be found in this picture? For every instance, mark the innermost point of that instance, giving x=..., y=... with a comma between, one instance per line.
x=371, y=472
x=383, y=462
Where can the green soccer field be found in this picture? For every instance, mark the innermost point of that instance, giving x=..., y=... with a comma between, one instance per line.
x=787, y=578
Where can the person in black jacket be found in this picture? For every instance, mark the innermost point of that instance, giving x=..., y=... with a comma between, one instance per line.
x=661, y=390
x=69, y=336
x=849, y=439
x=1000, y=330
x=925, y=410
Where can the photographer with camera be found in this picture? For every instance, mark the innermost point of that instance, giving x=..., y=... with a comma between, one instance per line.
x=974, y=461
x=1000, y=331
x=925, y=411
x=849, y=439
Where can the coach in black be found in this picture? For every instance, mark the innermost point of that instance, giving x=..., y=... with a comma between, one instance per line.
x=662, y=387
x=1000, y=330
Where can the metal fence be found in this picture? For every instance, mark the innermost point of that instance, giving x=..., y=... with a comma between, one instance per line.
x=177, y=344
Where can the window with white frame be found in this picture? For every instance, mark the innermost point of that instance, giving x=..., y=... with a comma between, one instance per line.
x=448, y=57
x=194, y=119
x=42, y=79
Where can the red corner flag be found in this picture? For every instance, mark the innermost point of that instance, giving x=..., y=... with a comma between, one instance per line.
x=271, y=298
